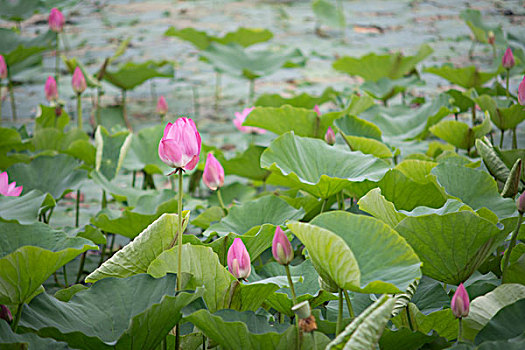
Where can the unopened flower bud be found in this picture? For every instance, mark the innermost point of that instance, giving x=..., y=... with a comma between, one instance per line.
x=460, y=302
x=508, y=59
x=520, y=203
x=5, y=314
x=239, y=263
x=329, y=137
x=281, y=247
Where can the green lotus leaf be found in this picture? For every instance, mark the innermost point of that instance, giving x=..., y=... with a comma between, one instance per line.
x=84, y=151
x=234, y=60
x=47, y=117
x=233, y=193
x=303, y=100
x=303, y=122
x=516, y=269
x=474, y=187
x=246, y=330
x=247, y=219
x=29, y=254
x=111, y=151
x=11, y=340
x=208, y=217
x=300, y=162
x=25, y=209
x=373, y=67
x=327, y=13
x=368, y=146
x=56, y=140
x=443, y=322
x=16, y=48
x=507, y=323
x=135, y=257
x=67, y=293
x=404, y=339
x=481, y=30
x=375, y=204
x=201, y=40
x=364, y=331
x=439, y=240
x=246, y=164
x=353, y=126
x=130, y=75
x=116, y=313
x=350, y=241
x=54, y=175
x=460, y=134
x=503, y=118
x=144, y=151
x=385, y=88
x=466, y=77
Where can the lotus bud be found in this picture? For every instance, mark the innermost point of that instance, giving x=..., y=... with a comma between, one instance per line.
x=460, y=302
x=520, y=203
x=317, y=110
x=78, y=82
x=521, y=92
x=239, y=120
x=51, y=89
x=3, y=68
x=281, y=248
x=239, y=263
x=180, y=146
x=491, y=37
x=162, y=106
x=213, y=175
x=9, y=189
x=56, y=20
x=5, y=314
x=508, y=59
x=329, y=137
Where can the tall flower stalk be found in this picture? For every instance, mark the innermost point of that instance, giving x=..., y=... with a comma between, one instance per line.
x=3, y=75
x=56, y=22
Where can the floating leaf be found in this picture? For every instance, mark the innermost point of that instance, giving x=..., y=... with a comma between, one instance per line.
x=303, y=100
x=201, y=40
x=327, y=13
x=466, y=77
x=503, y=118
x=460, y=134
x=385, y=88
x=130, y=75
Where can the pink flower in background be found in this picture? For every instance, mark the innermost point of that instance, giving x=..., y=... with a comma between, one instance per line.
x=520, y=203
x=317, y=110
x=241, y=117
x=9, y=189
x=181, y=144
x=329, y=137
x=56, y=20
x=281, y=247
x=51, y=89
x=162, y=106
x=521, y=92
x=508, y=59
x=3, y=68
x=213, y=175
x=460, y=302
x=78, y=82
x=239, y=263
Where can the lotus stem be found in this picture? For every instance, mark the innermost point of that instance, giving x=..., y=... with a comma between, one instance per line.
x=323, y=205
x=81, y=267
x=57, y=59
x=507, y=83
x=460, y=329
x=221, y=202
x=409, y=318
x=290, y=283
x=79, y=111
x=77, y=208
x=473, y=110
x=349, y=304
x=64, y=271
x=18, y=314
x=0, y=101
x=340, y=201
x=340, y=314
x=513, y=240
x=125, y=110
x=133, y=178
x=501, y=139
x=179, y=234
x=11, y=96
x=514, y=139
x=314, y=341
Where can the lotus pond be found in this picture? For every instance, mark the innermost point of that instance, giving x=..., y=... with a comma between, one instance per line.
x=262, y=175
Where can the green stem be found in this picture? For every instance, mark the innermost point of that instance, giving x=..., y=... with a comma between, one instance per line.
x=57, y=59
x=12, y=96
x=179, y=234
x=134, y=177
x=340, y=202
x=513, y=240
x=460, y=330
x=77, y=208
x=104, y=247
x=501, y=139
x=323, y=205
x=0, y=101
x=507, y=83
x=104, y=203
x=409, y=318
x=125, y=109
x=473, y=109
x=81, y=267
x=514, y=139
x=290, y=283
x=18, y=314
x=349, y=304
x=165, y=343
x=314, y=341
x=79, y=111
x=64, y=271
x=97, y=112
x=339, y=326
x=221, y=202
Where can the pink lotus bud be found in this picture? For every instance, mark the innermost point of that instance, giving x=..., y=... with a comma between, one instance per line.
x=5, y=314
x=281, y=248
x=56, y=20
x=241, y=117
x=162, y=106
x=213, y=175
x=317, y=110
x=239, y=263
x=508, y=59
x=51, y=89
x=460, y=302
x=520, y=203
x=9, y=189
x=78, y=82
x=181, y=144
x=3, y=68
x=491, y=37
x=521, y=92
x=329, y=137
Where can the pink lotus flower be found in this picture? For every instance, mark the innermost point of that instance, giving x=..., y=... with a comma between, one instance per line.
x=239, y=263
x=51, y=89
x=78, y=82
x=520, y=203
x=329, y=137
x=213, y=175
x=521, y=92
x=460, y=302
x=56, y=20
x=162, y=106
x=3, y=68
x=241, y=117
x=5, y=314
x=317, y=110
x=9, y=189
x=281, y=248
x=180, y=146
x=508, y=59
